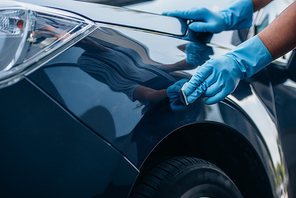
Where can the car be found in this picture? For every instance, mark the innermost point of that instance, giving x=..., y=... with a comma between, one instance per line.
x=85, y=113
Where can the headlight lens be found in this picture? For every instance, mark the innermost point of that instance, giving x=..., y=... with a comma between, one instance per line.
x=31, y=35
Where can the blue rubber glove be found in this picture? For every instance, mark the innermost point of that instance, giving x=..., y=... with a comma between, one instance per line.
x=197, y=53
x=218, y=77
x=173, y=92
x=238, y=15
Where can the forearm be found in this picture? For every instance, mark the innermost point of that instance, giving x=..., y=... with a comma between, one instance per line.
x=181, y=65
x=258, y=4
x=148, y=94
x=279, y=37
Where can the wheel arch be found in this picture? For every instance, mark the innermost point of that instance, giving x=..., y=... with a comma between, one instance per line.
x=221, y=145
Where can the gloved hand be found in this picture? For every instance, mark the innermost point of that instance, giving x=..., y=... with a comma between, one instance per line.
x=218, y=77
x=197, y=53
x=173, y=92
x=238, y=15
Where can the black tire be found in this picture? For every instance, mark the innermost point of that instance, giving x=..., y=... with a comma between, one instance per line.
x=185, y=177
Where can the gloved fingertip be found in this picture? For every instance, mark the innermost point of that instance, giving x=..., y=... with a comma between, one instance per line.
x=190, y=99
x=191, y=87
x=175, y=13
x=172, y=92
x=179, y=108
x=197, y=27
x=214, y=99
x=188, y=90
x=209, y=102
x=194, y=26
x=183, y=81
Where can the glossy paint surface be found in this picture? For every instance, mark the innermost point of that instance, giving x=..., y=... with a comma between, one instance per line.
x=46, y=153
x=117, y=15
x=284, y=90
x=101, y=81
x=110, y=90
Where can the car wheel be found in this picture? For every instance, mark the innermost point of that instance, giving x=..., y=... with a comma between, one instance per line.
x=185, y=177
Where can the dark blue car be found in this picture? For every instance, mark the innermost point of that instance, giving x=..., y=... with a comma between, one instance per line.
x=84, y=109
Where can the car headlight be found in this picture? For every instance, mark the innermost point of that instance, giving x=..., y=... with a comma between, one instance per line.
x=31, y=35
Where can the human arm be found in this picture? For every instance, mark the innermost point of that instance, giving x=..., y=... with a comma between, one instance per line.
x=142, y=93
x=219, y=76
x=258, y=4
x=279, y=37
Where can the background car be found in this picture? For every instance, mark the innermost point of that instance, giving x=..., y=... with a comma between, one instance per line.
x=84, y=110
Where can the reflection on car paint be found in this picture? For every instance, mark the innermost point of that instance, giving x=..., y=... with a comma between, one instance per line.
x=124, y=76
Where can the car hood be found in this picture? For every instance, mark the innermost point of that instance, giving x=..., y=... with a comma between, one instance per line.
x=118, y=16
x=135, y=19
